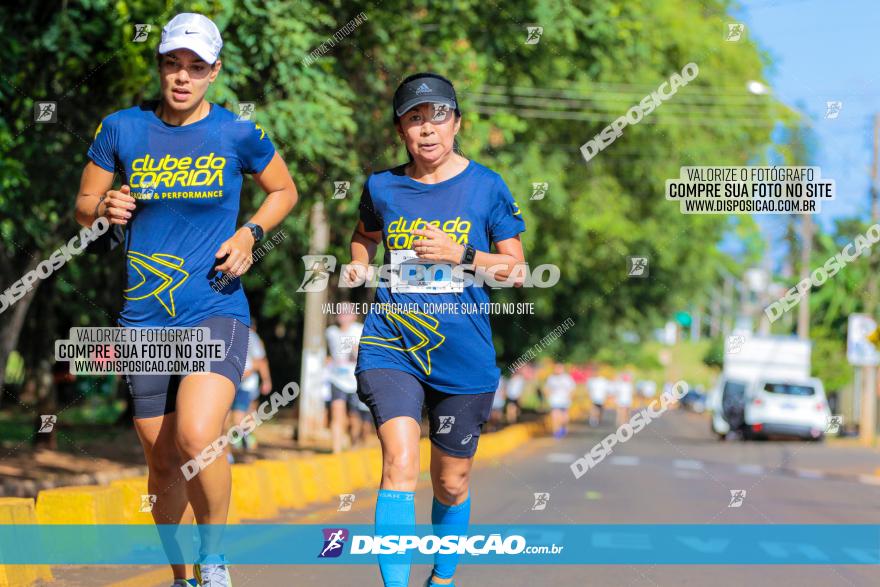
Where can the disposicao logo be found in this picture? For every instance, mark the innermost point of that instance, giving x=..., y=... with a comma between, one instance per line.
x=334, y=541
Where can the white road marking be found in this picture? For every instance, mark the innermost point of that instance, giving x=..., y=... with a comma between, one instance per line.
x=561, y=457
x=809, y=474
x=684, y=474
x=624, y=461
x=689, y=464
x=750, y=469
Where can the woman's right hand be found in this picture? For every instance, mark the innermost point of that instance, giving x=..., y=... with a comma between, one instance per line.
x=118, y=205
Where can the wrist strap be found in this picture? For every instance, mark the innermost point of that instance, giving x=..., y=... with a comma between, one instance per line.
x=98, y=207
x=467, y=256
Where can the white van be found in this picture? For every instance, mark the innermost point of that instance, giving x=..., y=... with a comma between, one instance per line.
x=749, y=360
x=777, y=407
x=727, y=402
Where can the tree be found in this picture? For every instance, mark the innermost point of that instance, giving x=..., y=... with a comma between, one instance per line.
x=528, y=108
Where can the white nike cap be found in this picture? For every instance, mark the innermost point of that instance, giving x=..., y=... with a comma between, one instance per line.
x=195, y=32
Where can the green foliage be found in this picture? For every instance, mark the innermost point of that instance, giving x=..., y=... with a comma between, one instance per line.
x=833, y=302
x=331, y=121
x=626, y=355
x=829, y=359
x=714, y=356
x=686, y=361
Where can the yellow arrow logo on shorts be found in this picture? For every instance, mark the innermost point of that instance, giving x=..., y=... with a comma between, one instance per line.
x=423, y=326
x=161, y=274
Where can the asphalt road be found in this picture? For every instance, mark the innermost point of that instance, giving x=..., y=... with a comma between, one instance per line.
x=672, y=472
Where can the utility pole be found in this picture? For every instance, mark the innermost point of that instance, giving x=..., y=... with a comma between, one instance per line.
x=868, y=419
x=871, y=302
x=311, y=404
x=716, y=315
x=729, y=306
x=697, y=322
x=803, y=323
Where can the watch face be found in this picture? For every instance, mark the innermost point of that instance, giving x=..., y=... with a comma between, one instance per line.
x=256, y=231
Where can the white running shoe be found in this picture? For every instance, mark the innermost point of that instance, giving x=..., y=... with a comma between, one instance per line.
x=212, y=575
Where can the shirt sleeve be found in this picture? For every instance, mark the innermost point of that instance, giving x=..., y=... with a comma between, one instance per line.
x=104, y=146
x=368, y=213
x=505, y=220
x=255, y=149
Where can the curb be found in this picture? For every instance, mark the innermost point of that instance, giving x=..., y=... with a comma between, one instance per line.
x=86, y=504
x=311, y=478
x=132, y=490
x=335, y=473
x=20, y=511
x=424, y=454
x=281, y=480
x=252, y=492
x=357, y=465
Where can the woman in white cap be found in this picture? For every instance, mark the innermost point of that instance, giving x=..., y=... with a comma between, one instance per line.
x=181, y=162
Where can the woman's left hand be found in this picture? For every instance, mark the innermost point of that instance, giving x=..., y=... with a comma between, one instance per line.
x=436, y=245
x=238, y=251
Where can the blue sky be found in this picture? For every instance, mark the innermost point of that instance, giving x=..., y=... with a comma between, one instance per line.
x=825, y=50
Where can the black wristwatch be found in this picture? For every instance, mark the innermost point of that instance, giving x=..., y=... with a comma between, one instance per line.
x=467, y=257
x=256, y=231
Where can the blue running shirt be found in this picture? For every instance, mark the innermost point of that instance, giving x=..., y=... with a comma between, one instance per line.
x=186, y=181
x=451, y=352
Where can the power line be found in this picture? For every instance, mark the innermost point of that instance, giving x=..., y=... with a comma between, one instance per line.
x=635, y=95
x=529, y=101
x=600, y=117
x=731, y=91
